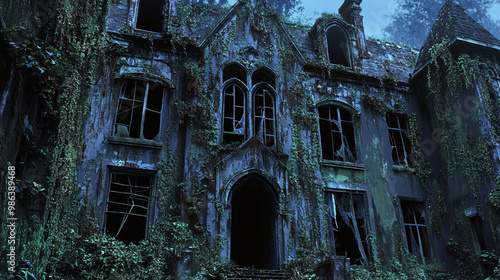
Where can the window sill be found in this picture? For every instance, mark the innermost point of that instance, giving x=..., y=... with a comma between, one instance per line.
x=403, y=169
x=147, y=32
x=342, y=164
x=134, y=142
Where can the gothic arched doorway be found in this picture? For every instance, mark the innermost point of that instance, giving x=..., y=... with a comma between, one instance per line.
x=253, y=224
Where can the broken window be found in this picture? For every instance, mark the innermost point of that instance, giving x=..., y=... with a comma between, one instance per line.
x=349, y=226
x=139, y=110
x=417, y=238
x=261, y=99
x=264, y=125
x=400, y=140
x=127, y=207
x=338, y=48
x=150, y=15
x=337, y=133
x=234, y=114
x=263, y=75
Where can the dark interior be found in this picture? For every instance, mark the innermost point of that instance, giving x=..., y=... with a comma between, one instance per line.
x=253, y=226
x=127, y=207
x=150, y=15
x=337, y=46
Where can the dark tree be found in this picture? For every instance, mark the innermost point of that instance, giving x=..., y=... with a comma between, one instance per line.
x=286, y=7
x=413, y=19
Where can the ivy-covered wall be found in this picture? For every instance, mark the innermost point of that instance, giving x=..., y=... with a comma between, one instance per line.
x=73, y=82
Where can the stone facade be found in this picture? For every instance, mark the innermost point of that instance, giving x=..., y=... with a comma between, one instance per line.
x=283, y=142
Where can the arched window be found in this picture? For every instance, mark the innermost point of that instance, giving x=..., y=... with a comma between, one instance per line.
x=234, y=114
x=263, y=75
x=234, y=71
x=248, y=111
x=150, y=15
x=338, y=46
x=264, y=118
x=337, y=133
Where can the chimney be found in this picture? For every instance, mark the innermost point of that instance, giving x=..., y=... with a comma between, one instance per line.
x=351, y=12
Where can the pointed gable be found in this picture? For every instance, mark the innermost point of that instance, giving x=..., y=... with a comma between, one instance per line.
x=254, y=17
x=453, y=24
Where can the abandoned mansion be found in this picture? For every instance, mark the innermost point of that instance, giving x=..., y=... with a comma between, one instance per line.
x=155, y=138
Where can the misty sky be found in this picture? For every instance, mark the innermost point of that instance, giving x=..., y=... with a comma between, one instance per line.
x=377, y=13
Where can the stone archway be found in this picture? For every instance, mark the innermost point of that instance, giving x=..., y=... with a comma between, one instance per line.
x=253, y=224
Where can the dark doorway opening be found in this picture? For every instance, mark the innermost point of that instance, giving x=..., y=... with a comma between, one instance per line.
x=253, y=225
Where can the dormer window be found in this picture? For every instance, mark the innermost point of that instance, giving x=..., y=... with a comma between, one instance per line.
x=150, y=15
x=338, y=46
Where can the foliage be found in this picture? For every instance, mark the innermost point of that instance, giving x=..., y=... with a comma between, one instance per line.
x=306, y=257
x=414, y=19
x=408, y=269
x=101, y=256
x=495, y=194
x=283, y=7
x=462, y=149
x=496, y=273
x=467, y=266
x=104, y=257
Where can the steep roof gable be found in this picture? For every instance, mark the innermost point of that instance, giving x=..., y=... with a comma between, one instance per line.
x=255, y=9
x=452, y=24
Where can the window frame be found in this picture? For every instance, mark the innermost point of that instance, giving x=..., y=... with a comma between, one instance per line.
x=136, y=17
x=250, y=91
x=234, y=82
x=421, y=255
x=408, y=161
x=265, y=87
x=332, y=197
x=353, y=114
x=151, y=202
x=348, y=36
x=121, y=96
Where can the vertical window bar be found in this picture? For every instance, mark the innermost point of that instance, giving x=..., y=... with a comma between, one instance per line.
x=144, y=109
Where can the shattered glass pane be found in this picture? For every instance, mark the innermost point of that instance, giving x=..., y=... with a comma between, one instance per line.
x=127, y=207
x=415, y=226
x=132, y=119
x=264, y=125
x=349, y=223
x=234, y=114
x=400, y=140
x=337, y=134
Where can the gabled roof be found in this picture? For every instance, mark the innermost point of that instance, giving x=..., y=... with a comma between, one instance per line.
x=263, y=8
x=454, y=24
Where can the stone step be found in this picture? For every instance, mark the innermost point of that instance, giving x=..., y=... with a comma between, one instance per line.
x=258, y=274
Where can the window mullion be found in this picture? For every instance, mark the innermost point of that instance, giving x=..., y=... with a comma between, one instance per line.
x=144, y=105
x=132, y=109
x=342, y=147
